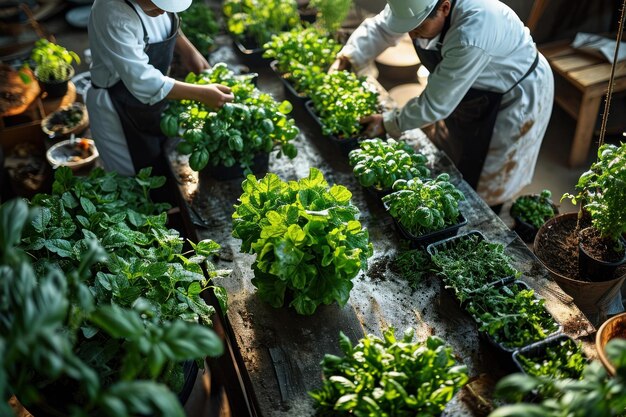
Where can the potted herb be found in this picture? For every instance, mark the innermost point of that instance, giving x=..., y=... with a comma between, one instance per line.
x=253, y=22
x=377, y=164
x=595, y=394
x=602, y=193
x=299, y=56
x=530, y=212
x=341, y=99
x=564, y=242
x=308, y=242
x=46, y=316
x=198, y=23
x=389, y=377
x=512, y=316
x=425, y=210
x=238, y=137
x=468, y=262
x=556, y=357
x=53, y=66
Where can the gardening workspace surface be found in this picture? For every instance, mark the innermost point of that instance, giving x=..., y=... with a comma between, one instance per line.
x=277, y=353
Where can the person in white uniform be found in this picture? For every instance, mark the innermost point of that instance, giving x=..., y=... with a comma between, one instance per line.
x=132, y=44
x=487, y=81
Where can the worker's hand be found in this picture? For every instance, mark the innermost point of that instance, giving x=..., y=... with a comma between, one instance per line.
x=194, y=61
x=216, y=95
x=340, y=64
x=375, y=126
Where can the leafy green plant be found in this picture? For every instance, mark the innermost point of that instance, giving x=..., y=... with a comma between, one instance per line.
x=116, y=211
x=389, y=377
x=198, y=23
x=423, y=206
x=254, y=123
x=559, y=360
x=258, y=20
x=378, y=163
x=302, y=55
x=331, y=13
x=534, y=210
x=602, y=192
x=43, y=319
x=511, y=315
x=412, y=265
x=307, y=239
x=341, y=99
x=52, y=61
x=470, y=262
x=595, y=394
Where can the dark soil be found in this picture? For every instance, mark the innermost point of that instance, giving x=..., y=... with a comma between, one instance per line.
x=558, y=248
x=600, y=248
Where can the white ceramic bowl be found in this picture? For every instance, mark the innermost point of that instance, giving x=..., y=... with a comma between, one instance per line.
x=78, y=154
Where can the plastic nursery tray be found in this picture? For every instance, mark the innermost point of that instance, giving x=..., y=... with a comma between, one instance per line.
x=538, y=349
x=512, y=349
x=433, y=248
x=290, y=91
x=344, y=145
x=428, y=238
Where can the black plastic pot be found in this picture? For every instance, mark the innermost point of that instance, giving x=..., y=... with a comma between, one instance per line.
x=344, y=145
x=260, y=165
x=56, y=88
x=290, y=91
x=378, y=193
x=596, y=270
x=528, y=231
x=252, y=52
x=426, y=239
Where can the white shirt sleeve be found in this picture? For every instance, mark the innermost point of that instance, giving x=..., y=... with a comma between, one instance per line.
x=368, y=41
x=119, y=45
x=447, y=85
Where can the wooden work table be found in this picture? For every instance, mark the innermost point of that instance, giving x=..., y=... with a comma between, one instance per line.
x=276, y=353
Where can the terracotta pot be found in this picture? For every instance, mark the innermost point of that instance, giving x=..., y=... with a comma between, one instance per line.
x=613, y=328
x=593, y=298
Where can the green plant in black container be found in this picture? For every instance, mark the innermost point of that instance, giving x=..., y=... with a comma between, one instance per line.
x=389, y=377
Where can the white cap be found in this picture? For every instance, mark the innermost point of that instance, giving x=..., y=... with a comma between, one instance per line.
x=403, y=16
x=172, y=6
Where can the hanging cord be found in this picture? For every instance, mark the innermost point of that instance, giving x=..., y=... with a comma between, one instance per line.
x=609, y=92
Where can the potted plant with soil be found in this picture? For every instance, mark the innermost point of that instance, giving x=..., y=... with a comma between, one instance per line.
x=425, y=210
x=602, y=194
x=377, y=164
x=299, y=55
x=340, y=100
x=237, y=138
x=53, y=66
x=389, y=377
x=530, y=212
x=564, y=242
x=308, y=242
x=253, y=22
